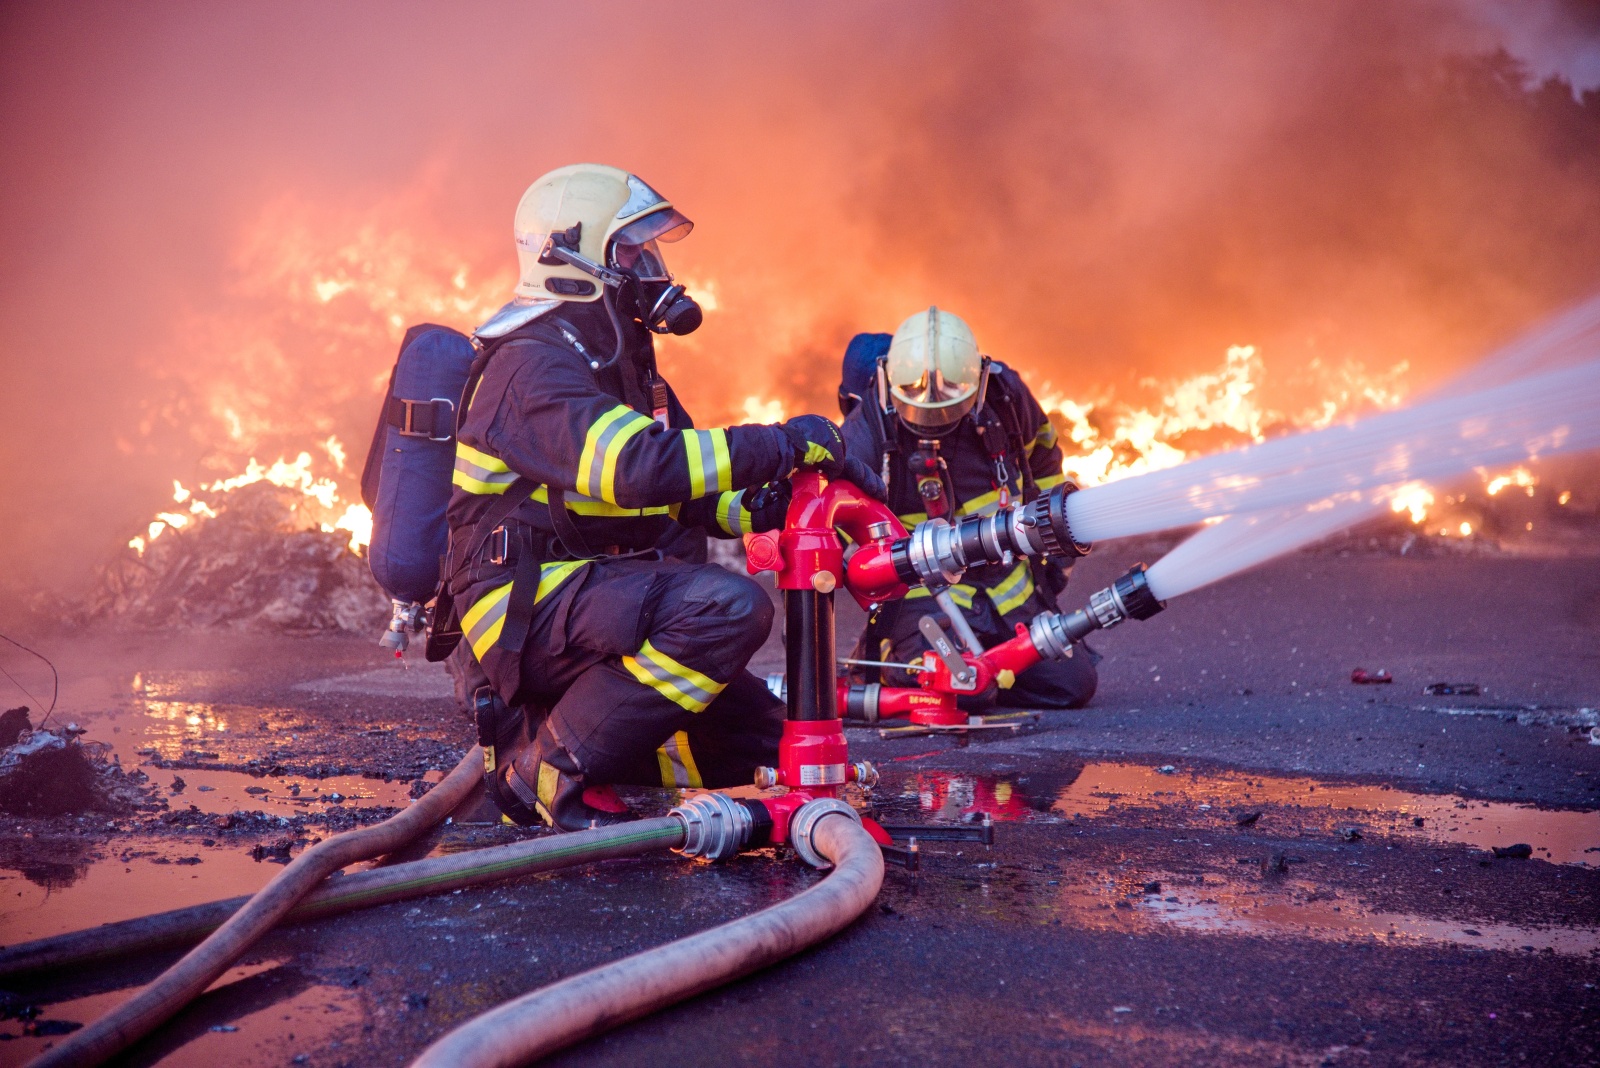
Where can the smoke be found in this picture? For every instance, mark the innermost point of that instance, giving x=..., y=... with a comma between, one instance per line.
x=219, y=218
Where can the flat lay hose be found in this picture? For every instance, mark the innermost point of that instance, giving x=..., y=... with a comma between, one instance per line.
x=201, y=966
x=592, y=1002
x=379, y=886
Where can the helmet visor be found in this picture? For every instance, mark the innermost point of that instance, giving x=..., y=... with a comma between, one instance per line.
x=932, y=389
x=644, y=262
x=669, y=224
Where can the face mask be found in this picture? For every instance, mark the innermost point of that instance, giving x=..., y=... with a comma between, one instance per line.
x=662, y=306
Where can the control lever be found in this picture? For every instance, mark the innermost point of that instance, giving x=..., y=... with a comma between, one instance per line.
x=958, y=621
x=960, y=670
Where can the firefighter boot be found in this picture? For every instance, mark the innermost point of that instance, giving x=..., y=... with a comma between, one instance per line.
x=544, y=782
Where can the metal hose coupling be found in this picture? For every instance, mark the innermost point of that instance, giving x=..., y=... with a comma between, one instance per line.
x=405, y=619
x=715, y=826
x=1129, y=597
x=804, y=824
x=937, y=551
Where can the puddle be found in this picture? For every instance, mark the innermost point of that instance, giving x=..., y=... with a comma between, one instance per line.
x=111, y=889
x=254, y=1014
x=222, y=792
x=1217, y=799
x=1302, y=910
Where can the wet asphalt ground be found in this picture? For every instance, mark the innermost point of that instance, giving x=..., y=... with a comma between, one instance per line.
x=1234, y=856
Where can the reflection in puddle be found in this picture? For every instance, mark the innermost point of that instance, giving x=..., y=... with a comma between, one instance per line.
x=254, y=1014
x=138, y=876
x=1299, y=909
x=1222, y=798
x=222, y=792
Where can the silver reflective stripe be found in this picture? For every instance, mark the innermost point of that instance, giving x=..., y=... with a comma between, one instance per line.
x=733, y=513
x=680, y=773
x=484, y=631
x=479, y=473
x=602, y=444
x=708, y=460
x=669, y=680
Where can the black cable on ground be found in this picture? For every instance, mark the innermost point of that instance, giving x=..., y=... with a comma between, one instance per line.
x=55, y=681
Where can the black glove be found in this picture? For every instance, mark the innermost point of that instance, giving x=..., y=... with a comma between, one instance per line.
x=768, y=505
x=818, y=443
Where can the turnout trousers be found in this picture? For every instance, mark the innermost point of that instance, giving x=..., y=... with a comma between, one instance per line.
x=1049, y=684
x=642, y=667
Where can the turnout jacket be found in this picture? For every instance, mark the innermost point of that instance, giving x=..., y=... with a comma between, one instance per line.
x=546, y=415
x=971, y=478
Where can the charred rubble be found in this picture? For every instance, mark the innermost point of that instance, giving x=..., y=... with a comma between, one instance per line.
x=46, y=773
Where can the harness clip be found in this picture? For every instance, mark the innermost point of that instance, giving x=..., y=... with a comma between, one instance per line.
x=499, y=545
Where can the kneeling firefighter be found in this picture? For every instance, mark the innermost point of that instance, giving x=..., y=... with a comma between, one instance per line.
x=573, y=461
x=956, y=433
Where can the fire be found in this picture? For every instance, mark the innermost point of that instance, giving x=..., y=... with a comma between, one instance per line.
x=354, y=518
x=1519, y=476
x=1106, y=441
x=1413, y=497
x=757, y=410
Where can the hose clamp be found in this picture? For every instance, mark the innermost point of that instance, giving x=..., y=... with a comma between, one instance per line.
x=935, y=552
x=1049, y=637
x=804, y=824
x=714, y=826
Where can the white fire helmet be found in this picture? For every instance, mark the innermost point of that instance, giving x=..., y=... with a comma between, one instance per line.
x=604, y=214
x=934, y=370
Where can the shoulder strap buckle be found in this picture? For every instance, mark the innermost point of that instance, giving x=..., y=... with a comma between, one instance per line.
x=424, y=419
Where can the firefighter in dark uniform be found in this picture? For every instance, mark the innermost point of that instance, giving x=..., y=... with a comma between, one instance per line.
x=574, y=461
x=955, y=433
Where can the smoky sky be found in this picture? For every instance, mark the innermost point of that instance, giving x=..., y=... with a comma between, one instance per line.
x=1108, y=192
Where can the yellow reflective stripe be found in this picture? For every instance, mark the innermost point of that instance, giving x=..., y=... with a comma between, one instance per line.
x=479, y=472
x=487, y=461
x=677, y=682
x=677, y=762
x=485, y=619
x=1050, y=481
x=483, y=622
x=979, y=504
x=578, y=504
x=732, y=516
x=608, y=475
x=709, y=467
x=597, y=466
x=721, y=458
x=697, y=472
x=911, y=519
x=587, y=471
x=1013, y=590
x=553, y=575
x=597, y=463
x=961, y=593
x=1044, y=439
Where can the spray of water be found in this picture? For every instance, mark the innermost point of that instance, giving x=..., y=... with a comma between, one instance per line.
x=1243, y=541
x=1539, y=415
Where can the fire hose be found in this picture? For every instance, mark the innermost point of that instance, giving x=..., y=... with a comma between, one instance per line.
x=201, y=966
x=597, y=1000
x=366, y=889
x=813, y=763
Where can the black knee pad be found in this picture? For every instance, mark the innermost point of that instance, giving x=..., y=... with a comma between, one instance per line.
x=736, y=598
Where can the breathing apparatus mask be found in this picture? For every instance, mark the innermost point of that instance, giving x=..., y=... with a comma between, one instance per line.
x=636, y=285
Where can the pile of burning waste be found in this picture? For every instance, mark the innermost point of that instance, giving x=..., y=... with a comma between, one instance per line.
x=274, y=549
